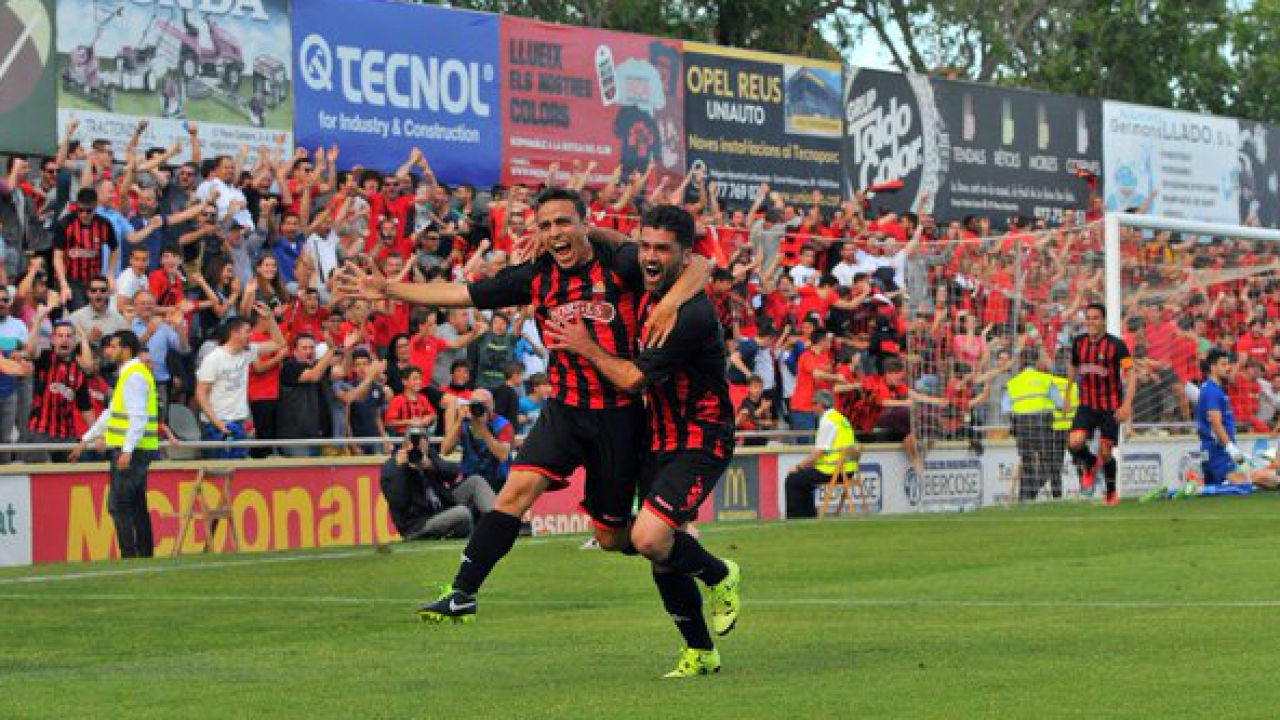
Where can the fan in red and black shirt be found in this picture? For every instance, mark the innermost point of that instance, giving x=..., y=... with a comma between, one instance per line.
x=1100, y=363
x=691, y=425
x=77, y=249
x=587, y=423
x=60, y=394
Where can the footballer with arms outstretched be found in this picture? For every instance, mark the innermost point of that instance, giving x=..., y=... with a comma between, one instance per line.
x=597, y=282
x=691, y=437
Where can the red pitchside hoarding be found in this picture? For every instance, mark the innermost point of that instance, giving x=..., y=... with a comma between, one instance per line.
x=275, y=509
x=574, y=94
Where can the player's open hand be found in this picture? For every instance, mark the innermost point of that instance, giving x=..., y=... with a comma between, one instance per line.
x=569, y=336
x=352, y=282
x=662, y=319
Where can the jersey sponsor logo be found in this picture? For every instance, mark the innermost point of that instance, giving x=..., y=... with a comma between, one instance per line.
x=595, y=311
x=1094, y=369
x=62, y=391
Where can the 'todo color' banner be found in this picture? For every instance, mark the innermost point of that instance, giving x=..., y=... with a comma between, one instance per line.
x=753, y=117
x=579, y=95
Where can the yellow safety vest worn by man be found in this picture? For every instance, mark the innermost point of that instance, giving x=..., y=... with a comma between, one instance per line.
x=131, y=428
x=1032, y=391
x=1061, y=417
x=842, y=437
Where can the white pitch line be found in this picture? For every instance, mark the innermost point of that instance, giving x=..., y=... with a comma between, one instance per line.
x=366, y=550
x=362, y=551
x=765, y=602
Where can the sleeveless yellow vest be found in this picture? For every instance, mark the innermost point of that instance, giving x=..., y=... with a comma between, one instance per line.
x=844, y=438
x=118, y=421
x=1029, y=392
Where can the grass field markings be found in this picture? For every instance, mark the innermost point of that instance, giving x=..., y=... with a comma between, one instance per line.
x=452, y=546
x=355, y=552
x=596, y=602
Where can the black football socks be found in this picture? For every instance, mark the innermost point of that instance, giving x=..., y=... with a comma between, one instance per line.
x=494, y=536
x=689, y=557
x=683, y=602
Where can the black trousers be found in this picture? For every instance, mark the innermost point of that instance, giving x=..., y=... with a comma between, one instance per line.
x=1056, y=459
x=1034, y=432
x=127, y=503
x=800, y=484
x=264, y=425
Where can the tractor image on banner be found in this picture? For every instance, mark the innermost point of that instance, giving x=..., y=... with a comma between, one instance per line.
x=221, y=64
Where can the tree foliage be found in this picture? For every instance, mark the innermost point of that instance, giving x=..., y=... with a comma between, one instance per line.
x=1220, y=56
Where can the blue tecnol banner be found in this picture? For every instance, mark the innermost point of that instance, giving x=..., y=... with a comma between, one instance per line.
x=380, y=78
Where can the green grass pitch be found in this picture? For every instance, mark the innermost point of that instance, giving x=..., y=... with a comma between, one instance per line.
x=1161, y=611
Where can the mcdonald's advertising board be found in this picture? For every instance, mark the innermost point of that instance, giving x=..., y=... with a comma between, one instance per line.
x=748, y=490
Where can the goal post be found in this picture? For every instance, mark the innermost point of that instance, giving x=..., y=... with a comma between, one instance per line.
x=1175, y=287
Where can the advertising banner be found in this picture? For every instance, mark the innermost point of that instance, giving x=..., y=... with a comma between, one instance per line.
x=1259, y=173
x=893, y=133
x=1184, y=165
x=381, y=78
x=274, y=509
x=1016, y=152
x=966, y=149
x=15, y=520
x=27, y=70
x=575, y=95
x=755, y=118
x=222, y=64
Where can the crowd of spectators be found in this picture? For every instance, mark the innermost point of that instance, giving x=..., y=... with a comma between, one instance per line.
x=225, y=268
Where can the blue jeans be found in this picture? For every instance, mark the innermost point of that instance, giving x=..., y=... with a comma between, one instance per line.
x=801, y=420
x=237, y=430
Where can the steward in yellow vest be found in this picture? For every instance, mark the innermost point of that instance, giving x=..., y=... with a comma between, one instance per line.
x=130, y=427
x=1033, y=399
x=835, y=435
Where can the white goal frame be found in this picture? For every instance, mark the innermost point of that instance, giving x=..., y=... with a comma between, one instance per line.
x=1114, y=221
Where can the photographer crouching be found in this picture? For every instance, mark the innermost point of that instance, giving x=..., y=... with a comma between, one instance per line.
x=486, y=439
x=428, y=497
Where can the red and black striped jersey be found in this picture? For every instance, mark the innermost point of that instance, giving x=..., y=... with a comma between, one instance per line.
x=687, y=392
x=82, y=244
x=1099, y=365
x=604, y=293
x=60, y=392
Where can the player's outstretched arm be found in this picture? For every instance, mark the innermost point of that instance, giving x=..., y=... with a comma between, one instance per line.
x=353, y=282
x=573, y=337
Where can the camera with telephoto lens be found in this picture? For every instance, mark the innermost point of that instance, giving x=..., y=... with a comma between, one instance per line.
x=415, y=437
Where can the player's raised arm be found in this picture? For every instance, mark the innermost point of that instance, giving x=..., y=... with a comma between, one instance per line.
x=356, y=283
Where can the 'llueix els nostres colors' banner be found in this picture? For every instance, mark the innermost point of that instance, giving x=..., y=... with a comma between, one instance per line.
x=573, y=95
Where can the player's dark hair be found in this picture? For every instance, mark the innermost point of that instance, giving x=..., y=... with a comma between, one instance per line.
x=554, y=194
x=1213, y=357
x=673, y=219
x=1096, y=306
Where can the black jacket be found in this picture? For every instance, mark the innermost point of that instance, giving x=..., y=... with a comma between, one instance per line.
x=414, y=495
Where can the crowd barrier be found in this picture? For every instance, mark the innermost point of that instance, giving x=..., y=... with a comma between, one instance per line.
x=58, y=514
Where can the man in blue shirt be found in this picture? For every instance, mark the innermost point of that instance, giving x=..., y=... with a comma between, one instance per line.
x=159, y=336
x=1216, y=424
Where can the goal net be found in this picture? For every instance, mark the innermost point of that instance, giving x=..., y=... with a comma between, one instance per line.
x=1173, y=289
